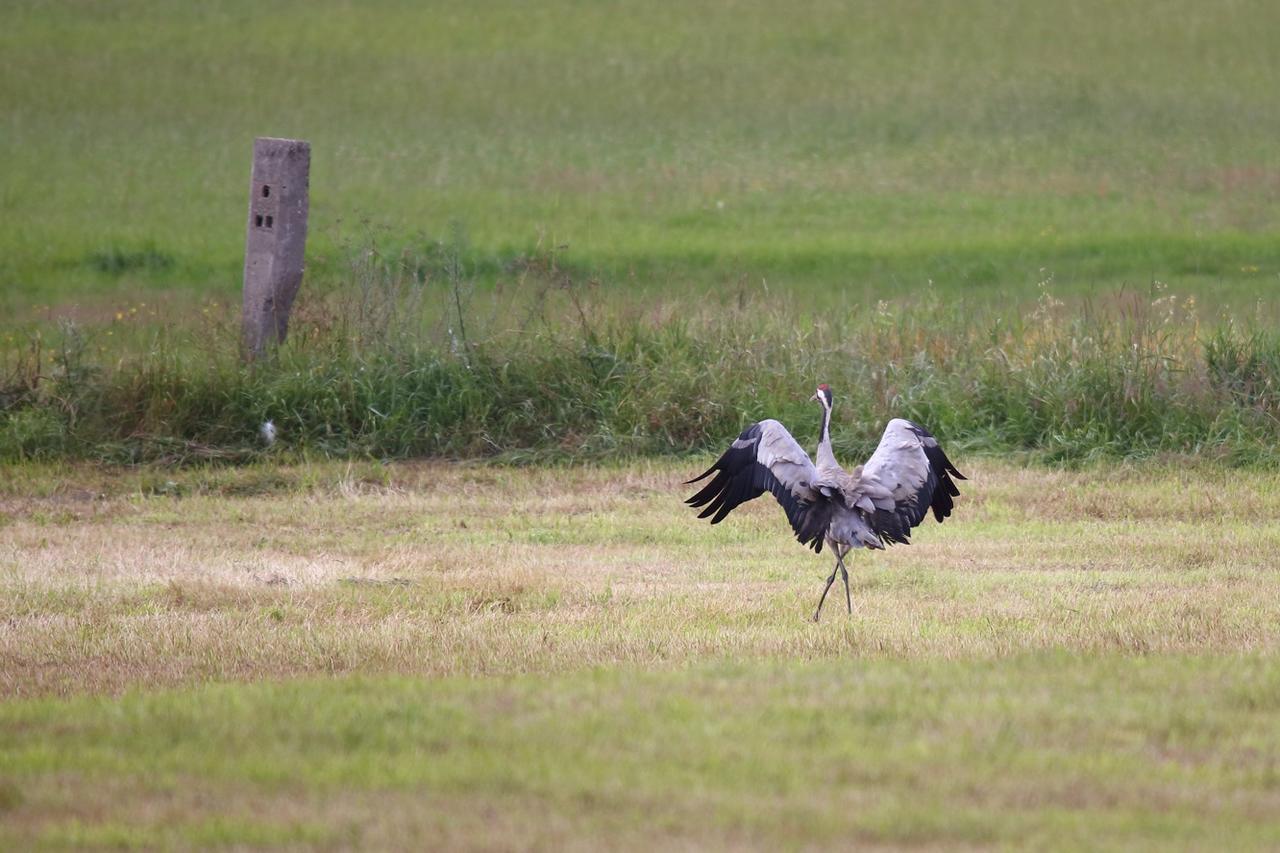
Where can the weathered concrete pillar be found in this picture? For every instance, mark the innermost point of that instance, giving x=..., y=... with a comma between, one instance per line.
x=275, y=241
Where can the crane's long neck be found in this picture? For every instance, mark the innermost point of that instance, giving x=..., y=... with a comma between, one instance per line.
x=826, y=458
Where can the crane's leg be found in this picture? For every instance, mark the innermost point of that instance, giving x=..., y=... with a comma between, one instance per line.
x=841, y=550
x=830, y=581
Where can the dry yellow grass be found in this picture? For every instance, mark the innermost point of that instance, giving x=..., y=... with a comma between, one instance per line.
x=441, y=569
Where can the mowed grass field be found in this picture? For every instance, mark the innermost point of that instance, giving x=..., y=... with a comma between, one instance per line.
x=844, y=152
x=426, y=654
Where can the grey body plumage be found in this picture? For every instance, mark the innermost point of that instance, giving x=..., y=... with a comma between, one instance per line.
x=877, y=504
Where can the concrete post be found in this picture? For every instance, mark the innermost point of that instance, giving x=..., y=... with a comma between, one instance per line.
x=275, y=240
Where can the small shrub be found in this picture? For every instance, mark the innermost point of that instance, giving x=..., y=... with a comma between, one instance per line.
x=32, y=433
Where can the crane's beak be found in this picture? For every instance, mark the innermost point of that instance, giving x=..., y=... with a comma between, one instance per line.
x=813, y=398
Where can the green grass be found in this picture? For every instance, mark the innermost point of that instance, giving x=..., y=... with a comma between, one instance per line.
x=1043, y=750
x=590, y=230
x=850, y=145
x=332, y=656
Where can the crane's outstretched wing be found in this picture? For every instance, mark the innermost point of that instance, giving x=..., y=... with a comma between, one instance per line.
x=765, y=458
x=908, y=475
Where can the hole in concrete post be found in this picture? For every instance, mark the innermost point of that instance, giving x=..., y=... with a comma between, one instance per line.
x=266, y=190
x=269, y=221
x=257, y=220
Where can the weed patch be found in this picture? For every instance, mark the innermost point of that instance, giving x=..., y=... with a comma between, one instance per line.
x=408, y=359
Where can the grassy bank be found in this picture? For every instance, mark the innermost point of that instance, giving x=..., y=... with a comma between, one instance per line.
x=432, y=654
x=405, y=359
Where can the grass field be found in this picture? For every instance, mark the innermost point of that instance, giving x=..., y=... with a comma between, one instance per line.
x=420, y=654
x=615, y=233
x=622, y=229
x=858, y=147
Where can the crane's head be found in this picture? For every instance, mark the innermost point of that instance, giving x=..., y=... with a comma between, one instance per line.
x=823, y=395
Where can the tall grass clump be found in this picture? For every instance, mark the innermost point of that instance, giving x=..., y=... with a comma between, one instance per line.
x=403, y=355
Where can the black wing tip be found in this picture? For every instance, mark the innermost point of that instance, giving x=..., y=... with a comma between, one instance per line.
x=733, y=485
x=705, y=474
x=719, y=465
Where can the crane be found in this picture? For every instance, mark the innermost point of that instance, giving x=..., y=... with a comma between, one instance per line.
x=875, y=505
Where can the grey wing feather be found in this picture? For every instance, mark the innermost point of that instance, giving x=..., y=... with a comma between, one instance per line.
x=765, y=458
x=908, y=475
